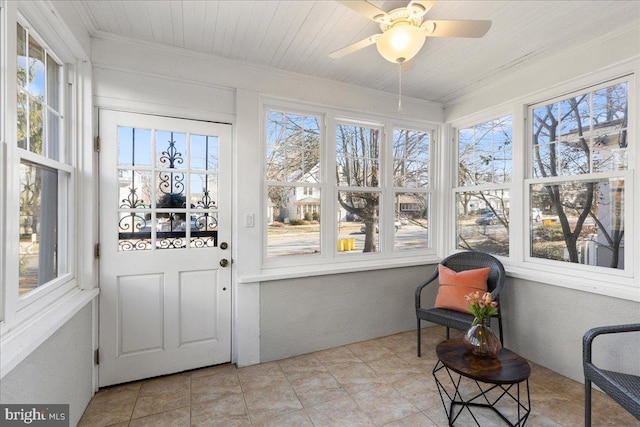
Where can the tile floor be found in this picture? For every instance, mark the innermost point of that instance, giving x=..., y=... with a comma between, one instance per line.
x=379, y=382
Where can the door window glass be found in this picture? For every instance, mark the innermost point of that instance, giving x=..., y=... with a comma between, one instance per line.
x=170, y=203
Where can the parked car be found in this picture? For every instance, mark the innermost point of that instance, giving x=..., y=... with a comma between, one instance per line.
x=350, y=217
x=536, y=214
x=487, y=219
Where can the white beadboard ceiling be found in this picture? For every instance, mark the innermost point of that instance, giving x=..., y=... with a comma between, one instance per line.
x=298, y=35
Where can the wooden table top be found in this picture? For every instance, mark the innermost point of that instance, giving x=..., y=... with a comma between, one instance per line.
x=507, y=368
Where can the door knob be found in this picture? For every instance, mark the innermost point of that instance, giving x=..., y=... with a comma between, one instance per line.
x=224, y=262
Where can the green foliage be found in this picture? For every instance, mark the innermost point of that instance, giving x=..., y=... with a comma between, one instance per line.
x=307, y=216
x=296, y=221
x=315, y=216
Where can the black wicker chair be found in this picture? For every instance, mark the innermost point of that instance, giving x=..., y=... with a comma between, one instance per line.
x=461, y=261
x=623, y=388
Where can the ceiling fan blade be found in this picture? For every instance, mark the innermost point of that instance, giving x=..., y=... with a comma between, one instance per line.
x=365, y=8
x=353, y=47
x=425, y=4
x=452, y=28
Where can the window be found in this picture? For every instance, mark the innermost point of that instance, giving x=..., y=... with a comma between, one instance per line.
x=578, y=181
x=357, y=192
x=358, y=179
x=45, y=170
x=484, y=180
x=293, y=185
x=411, y=189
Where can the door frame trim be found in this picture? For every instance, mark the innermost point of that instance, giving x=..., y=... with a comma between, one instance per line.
x=224, y=119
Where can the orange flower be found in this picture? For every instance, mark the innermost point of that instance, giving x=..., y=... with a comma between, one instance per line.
x=481, y=306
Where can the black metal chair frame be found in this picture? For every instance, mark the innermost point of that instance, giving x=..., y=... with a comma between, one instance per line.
x=461, y=261
x=621, y=387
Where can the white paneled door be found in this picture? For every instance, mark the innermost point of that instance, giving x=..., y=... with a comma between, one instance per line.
x=165, y=249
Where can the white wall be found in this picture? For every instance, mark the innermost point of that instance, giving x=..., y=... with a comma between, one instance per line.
x=58, y=371
x=529, y=81
x=182, y=66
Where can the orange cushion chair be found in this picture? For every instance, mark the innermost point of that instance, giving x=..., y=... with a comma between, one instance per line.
x=460, y=274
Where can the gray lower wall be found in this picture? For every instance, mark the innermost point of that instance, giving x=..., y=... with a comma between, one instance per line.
x=546, y=323
x=59, y=371
x=543, y=323
x=299, y=316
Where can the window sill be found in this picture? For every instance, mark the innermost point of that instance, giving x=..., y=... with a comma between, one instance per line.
x=283, y=273
x=624, y=288
x=20, y=342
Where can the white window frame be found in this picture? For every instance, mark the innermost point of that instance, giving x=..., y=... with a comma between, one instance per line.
x=66, y=187
x=329, y=260
x=430, y=190
x=384, y=223
x=457, y=189
x=303, y=111
x=579, y=270
x=27, y=321
x=624, y=285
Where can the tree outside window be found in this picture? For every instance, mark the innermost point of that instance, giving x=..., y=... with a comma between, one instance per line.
x=373, y=210
x=485, y=163
x=293, y=186
x=358, y=178
x=411, y=181
x=579, y=148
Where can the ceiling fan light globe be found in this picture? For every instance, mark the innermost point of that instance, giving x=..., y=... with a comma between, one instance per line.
x=400, y=43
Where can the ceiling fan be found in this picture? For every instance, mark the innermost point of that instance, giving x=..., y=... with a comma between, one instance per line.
x=404, y=30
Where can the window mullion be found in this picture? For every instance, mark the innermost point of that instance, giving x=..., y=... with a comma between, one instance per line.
x=328, y=221
x=519, y=225
x=386, y=186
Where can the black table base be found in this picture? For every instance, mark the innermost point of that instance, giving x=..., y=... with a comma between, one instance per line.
x=457, y=404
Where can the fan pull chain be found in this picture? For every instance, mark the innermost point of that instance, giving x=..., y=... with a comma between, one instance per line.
x=400, y=86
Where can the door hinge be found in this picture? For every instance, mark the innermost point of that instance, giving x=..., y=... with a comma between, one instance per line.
x=97, y=356
x=97, y=144
x=96, y=251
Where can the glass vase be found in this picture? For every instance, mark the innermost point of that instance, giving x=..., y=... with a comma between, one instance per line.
x=481, y=340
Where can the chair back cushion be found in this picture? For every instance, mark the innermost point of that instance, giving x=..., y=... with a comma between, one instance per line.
x=455, y=285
